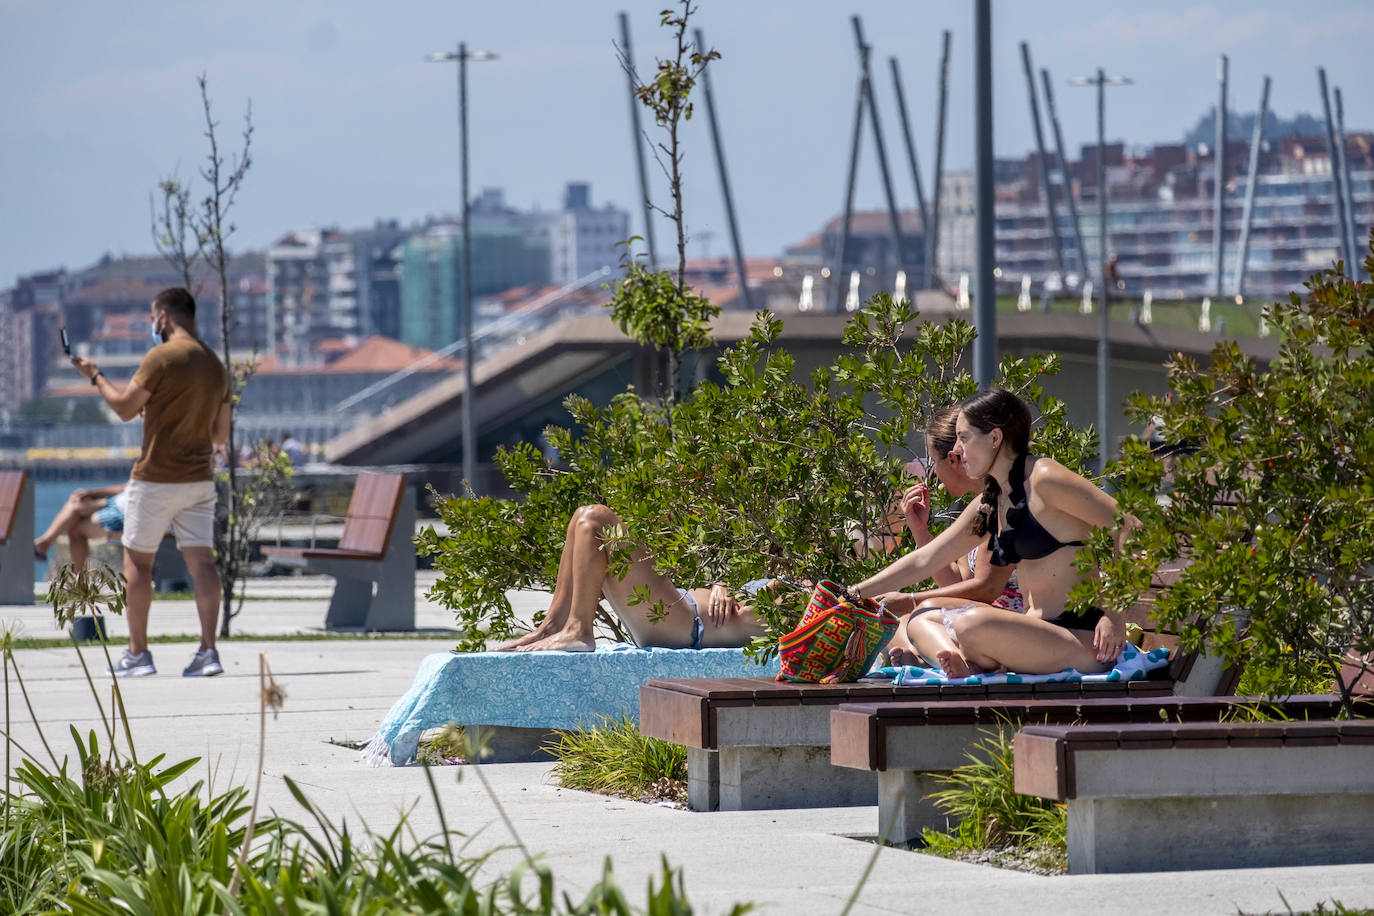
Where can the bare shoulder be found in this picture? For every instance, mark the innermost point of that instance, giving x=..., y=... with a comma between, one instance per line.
x=1051, y=477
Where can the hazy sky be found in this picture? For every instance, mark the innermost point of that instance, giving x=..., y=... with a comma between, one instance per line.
x=99, y=101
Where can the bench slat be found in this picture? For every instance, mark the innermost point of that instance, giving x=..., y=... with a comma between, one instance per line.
x=11, y=491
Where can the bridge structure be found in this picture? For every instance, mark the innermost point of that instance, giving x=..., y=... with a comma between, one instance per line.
x=520, y=389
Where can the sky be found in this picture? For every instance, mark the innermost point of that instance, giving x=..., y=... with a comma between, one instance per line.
x=98, y=101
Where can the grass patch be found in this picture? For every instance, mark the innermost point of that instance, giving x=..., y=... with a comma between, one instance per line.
x=995, y=823
x=613, y=758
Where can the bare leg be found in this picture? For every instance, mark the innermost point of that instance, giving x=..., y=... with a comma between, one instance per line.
x=200, y=563
x=138, y=576
x=73, y=512
x=582, y=573
x=932, y=639
x=79, y=541
x=557, y=614
x=993, y=637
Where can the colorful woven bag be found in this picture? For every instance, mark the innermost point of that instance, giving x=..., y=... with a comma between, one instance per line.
x=837, y=639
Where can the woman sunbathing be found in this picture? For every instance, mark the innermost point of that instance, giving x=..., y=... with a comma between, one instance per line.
x=87, y=515
x=696, y=618
x=1033, y=512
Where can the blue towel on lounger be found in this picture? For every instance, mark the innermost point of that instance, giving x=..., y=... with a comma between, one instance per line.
x=1133, y=665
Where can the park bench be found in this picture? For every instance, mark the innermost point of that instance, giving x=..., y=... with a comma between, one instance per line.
x=16, y=538
x=910, y=745
x=1190, y=795
x=374, y=564
x=753, y=743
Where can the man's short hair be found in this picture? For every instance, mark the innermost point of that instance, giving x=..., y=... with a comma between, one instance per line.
x=177, y=302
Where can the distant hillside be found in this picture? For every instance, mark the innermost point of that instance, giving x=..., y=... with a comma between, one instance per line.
x=1240, y=126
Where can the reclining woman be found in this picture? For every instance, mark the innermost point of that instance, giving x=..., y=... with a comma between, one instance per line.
x=87, y=515
x=1032, y=512
x=957, y=583
x=696, y=618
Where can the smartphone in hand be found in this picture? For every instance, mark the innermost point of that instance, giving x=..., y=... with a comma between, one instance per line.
x=66, y=344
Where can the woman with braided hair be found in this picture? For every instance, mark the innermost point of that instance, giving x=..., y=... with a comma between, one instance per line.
x=1032, y=513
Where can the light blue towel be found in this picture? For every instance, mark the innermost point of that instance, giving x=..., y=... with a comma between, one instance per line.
x=553, y=690
x=1131, y=666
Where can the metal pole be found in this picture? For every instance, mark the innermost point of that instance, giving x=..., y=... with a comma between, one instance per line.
x=985, y=294
x=1353, y=265
x=933, y=238
x=1104, y=345
x=469, y=437
x=910, y=156
x=1219, y=159
x=1064, y=170
x=1044, y=164
x=839, y=282
x=867, y=83
x=724, y=175
x=638, y=138
x=1337, y=192
x=1256, y=141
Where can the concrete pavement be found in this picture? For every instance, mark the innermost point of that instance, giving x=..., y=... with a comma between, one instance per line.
x=804, y=861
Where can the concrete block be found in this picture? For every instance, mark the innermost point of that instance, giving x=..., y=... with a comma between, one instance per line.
x=1233, y=831
x=773, y=726
x=703, y=779
x=510, y=744
x=754, y=778
x=904, y=809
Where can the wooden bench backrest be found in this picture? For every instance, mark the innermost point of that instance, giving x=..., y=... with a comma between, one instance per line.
x=11, y=489
x=372, y=512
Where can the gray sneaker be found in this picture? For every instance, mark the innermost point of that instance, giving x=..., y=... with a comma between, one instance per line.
x=205, y=664
x=130, y=665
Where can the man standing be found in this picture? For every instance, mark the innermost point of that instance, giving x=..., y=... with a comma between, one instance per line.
x=183, y=392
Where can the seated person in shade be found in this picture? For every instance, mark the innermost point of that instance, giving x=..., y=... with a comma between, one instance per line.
x=1034, y=512
x=693, y=618
x=87, y=515
x=956, y=584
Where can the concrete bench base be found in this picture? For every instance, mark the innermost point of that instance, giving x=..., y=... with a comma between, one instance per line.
x=761, y=778
x=1219, y=831
x=512, y=744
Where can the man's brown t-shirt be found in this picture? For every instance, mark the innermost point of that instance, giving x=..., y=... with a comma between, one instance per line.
x=186, y=384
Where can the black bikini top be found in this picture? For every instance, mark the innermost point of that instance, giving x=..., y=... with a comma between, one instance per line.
x=1024, y=538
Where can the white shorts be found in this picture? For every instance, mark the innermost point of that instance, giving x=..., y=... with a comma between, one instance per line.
x=189, y=508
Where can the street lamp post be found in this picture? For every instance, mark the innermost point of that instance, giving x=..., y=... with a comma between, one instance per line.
x=1104, y=347
x=462, y=56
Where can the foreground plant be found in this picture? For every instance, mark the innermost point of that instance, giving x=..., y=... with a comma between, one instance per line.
x=613, y=757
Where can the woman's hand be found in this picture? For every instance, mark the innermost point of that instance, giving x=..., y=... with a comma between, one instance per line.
x=915, y=507
x=896, y=602
x=722, y=605
x=1109, y=638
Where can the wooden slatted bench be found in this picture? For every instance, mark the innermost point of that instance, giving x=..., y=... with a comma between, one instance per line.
x=909, y=745
x=374, y=564
x=753, y=743
x=757, y=743
x=1164, y=797
x=16, y=538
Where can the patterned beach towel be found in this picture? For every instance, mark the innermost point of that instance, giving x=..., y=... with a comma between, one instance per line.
x=1133, y=665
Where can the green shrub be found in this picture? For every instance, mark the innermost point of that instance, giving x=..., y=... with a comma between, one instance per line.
x=982, y=796
x=612, y=757
x=1274, y=506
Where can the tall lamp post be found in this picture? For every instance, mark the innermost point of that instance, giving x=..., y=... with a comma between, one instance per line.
x=1104, y=347
x=462, y=56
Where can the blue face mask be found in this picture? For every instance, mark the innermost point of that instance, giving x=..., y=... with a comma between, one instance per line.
x=158, y=336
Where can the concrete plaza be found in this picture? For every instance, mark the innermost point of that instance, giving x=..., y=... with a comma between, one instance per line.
x=337, y=690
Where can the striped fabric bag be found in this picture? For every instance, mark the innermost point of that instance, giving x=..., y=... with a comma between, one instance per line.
x=837, y=639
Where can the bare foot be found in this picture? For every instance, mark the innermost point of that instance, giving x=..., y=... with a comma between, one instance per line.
x=954, y=664
x=562, y=641
x=900, y=657
x=547, y=627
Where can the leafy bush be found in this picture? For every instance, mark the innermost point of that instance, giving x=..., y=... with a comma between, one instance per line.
x=759, y=475
x=1272, y=502
x=614, y=758
x=991, y=813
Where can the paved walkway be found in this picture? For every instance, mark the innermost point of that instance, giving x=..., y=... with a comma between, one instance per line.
x=787, y=861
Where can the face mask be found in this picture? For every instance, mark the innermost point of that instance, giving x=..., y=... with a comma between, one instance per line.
x=159, y=333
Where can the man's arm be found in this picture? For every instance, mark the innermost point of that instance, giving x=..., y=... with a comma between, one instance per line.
x=125, y=400
x=219, y=429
